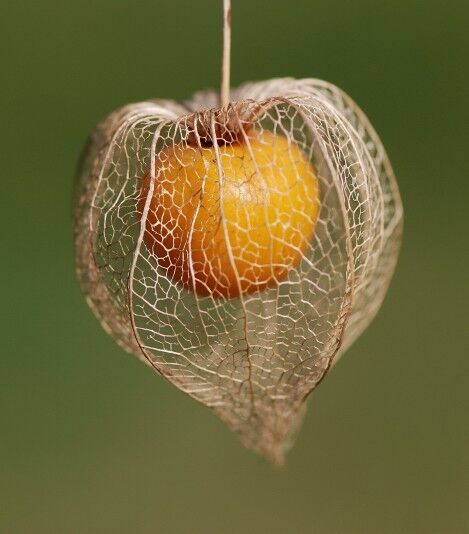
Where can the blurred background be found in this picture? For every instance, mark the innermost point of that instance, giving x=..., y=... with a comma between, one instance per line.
x=91, y=440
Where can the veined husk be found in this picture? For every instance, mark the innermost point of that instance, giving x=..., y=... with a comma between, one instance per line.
x=253, y=360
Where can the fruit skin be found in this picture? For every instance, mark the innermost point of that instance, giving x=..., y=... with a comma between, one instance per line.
x=241, y=231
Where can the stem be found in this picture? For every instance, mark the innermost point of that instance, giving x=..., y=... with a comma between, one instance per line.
x=225, y=68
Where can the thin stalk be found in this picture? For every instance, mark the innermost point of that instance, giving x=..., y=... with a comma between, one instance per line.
x=226, y=62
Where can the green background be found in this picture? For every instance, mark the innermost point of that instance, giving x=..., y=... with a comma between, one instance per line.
x=91, y=440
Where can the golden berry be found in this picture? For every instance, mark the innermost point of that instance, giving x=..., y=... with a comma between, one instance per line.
x=232, y=225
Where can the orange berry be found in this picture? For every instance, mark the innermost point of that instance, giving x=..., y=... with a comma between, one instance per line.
x=234, y=232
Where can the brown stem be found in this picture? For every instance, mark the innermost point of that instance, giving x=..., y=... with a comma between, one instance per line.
x=225, y=69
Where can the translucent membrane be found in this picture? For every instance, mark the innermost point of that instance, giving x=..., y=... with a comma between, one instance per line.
x=239, y=251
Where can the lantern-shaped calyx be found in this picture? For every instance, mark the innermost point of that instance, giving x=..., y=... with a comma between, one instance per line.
x=239, y=248
x=236, y=259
